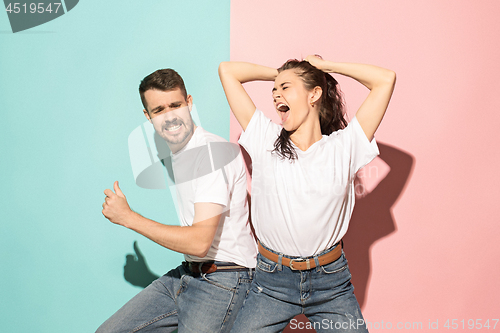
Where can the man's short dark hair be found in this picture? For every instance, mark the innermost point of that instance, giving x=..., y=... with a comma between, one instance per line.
x=163, y=80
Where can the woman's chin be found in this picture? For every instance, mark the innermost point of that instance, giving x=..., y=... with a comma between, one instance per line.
x=289, y=128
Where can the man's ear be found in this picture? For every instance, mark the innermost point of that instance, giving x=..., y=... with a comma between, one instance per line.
x=146, y=113
x=189, y=100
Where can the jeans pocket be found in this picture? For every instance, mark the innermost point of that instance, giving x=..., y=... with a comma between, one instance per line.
x=265, y=265
x=337, y=266
x=226, y=280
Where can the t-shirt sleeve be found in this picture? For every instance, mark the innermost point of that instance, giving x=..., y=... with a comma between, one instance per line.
x=260, y=128
x=361, y=151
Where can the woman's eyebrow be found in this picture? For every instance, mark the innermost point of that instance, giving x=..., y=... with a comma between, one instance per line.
x=281, y=85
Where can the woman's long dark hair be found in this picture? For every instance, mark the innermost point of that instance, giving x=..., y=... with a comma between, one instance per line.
x=331, y=105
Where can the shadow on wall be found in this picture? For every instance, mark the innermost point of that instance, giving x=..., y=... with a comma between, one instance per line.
x=136, y=270
x=372, y=218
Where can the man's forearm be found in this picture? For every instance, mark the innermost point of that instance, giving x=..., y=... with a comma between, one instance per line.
x=193, y=240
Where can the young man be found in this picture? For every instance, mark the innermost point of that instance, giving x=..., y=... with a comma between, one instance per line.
x=205, y=293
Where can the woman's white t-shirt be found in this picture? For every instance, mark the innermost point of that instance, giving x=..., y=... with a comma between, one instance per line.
x=303, y=207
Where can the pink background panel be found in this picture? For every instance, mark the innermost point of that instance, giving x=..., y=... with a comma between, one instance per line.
x=423, y=244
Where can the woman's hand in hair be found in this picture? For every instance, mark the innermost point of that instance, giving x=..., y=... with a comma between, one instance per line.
x=379, y=80
x=316, y=61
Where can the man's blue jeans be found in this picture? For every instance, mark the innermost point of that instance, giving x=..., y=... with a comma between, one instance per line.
x=205, y=303
x=324, y=294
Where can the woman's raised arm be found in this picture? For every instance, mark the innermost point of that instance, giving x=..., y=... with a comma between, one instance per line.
x=232, y=76
x=379, y=80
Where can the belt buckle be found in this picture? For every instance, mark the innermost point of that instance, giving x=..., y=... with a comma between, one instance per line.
x=307, y=261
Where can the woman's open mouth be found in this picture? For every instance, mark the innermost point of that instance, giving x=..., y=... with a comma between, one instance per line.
x=283, y=111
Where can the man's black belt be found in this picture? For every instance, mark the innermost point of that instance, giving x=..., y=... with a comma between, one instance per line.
x=207, y=267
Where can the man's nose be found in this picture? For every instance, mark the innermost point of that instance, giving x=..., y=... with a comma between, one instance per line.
x=171, y=119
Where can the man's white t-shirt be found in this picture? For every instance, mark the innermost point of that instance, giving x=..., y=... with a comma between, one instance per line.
x=209, y=169
x=303, y=207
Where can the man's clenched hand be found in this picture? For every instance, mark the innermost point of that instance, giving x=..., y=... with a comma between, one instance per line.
x=115, y=207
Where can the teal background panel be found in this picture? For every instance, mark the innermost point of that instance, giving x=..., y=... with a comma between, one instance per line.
x=68, y=102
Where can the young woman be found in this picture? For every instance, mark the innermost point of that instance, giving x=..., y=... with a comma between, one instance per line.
x=303, y=188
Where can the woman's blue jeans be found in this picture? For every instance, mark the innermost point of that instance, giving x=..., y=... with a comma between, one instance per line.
x=324, y=294
x=205, y=303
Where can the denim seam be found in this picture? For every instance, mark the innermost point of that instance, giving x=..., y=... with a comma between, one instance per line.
x=166, y=289
x=302, y=283
x=301, y=290
x=231, y=305
x=229, y=310
x=153, y=321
